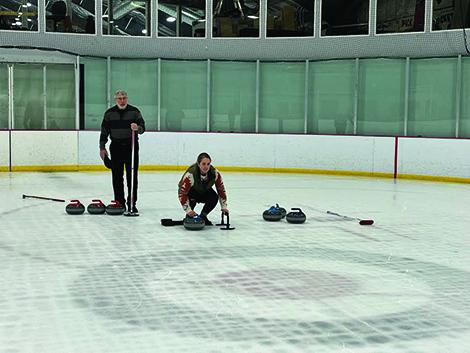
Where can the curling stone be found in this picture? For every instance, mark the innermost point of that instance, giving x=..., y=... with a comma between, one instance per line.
x=194, y=223
x=96, y=207
x=75, y=207
x=296, y=217
x=115, y=208
x=272, y=215
x=283, y=211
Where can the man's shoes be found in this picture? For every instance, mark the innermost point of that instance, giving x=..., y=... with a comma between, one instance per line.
x=132, y=212
x=208, y=223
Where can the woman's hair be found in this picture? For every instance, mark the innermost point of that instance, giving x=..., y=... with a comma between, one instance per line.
x=202, y=156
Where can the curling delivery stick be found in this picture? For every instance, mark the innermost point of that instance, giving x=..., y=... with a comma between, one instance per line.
x=42, y=198
x=362, y=222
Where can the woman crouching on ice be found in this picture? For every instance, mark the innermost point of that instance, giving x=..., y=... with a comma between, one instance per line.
x=196, y=187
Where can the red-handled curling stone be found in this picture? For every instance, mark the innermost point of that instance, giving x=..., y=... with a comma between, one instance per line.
x=75, y=207
x=96, y=207
x=115, y=208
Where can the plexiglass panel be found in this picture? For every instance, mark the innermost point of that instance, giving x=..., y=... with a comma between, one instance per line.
x=95, y=92
x=282, y=97
x=182, y=18
x=60, y=94
x=289, y=19
x=127, y=17
x=4, y=106
x=331, y=97
x=29, y=96
x=345, y=17
x=236, y=18
x=75, y=16
x=432, y=97
x=233, y=96
x=184, y=95
x=398, y=16
x=139, y=79
x=381, y=97
x=20, y=15
x=464, y=126
x=450, y=14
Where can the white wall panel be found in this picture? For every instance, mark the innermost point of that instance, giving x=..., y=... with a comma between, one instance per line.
x=368, y=154
x=228, y=149
x=338, y=153
x=159, y=148
x=384, y=155
x=5, y=149
x=434, y=157
x=44, y=148
x=89, y=148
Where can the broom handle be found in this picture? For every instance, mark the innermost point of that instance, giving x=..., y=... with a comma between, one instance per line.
x=132, y=171
x=42, y=198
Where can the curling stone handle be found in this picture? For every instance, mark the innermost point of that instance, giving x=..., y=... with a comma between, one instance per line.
x=296, y=209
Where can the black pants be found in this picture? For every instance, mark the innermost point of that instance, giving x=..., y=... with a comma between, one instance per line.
x=209, y=199
x=120, y=156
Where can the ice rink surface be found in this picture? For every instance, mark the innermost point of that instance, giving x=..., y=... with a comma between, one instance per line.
x=99, y=283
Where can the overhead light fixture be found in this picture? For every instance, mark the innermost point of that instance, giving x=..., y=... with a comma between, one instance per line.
x=144, y=31
x=253, y=17
x=29, y=4
x=18, y=23
x=29, y=20
x=201, y=20
x=24, y=5
x=171, y=19
x=105, y=16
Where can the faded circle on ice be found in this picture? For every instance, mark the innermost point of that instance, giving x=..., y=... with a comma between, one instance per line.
x=238, y=294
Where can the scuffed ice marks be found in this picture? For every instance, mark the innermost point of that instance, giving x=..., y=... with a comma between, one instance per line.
x=150, y=293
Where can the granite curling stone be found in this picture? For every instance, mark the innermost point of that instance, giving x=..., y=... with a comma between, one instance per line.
x=115, y=208
x=96, y=207
x=75, y=207
x=194, y=223
x=272, y=215
x=296, y=217
x=283, y=211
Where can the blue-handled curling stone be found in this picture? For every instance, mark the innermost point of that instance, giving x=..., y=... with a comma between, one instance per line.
x=194, y=223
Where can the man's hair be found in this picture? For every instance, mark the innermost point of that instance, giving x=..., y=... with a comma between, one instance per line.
x=202, y=156
x=120, y=92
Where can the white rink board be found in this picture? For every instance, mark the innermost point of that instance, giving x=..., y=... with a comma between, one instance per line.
x=4, y=148
x=342, y=153
x=434, y=157
x=88, y=147
x=44, y=148
x=368, y=154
